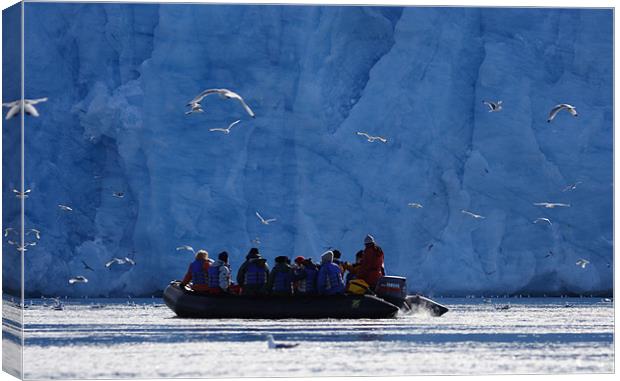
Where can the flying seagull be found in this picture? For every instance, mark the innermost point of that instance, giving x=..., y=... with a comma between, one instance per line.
x=551, y=205
x=186, y=247
x=582, y=262
x=493, y=106
x=563, y=106
x=87, y=267
x=415, y=205
x=264, y=221
x=225, y=93
x=476, y=216
x=542, y=219
x=273, y=345
x=225, y=130
x=16, y=106
x=571, y=187
x=22, y=248
x=7, y=230
x=120, y=261
x=372, y=138
x=118, y=194
x=256, y=241
x=36, y=232
x=23, y=194
x=78, y=279
x=65, y=208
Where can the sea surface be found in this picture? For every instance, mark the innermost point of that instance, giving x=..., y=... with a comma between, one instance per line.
x=103, y=338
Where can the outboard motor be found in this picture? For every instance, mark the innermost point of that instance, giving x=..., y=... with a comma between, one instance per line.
x=392, y=288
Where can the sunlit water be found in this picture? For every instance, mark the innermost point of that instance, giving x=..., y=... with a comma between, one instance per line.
x=143, y=338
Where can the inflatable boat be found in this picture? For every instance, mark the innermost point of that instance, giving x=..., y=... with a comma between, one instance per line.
x=186, y=303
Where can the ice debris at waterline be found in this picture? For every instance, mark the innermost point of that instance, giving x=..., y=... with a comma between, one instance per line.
x=315, y=76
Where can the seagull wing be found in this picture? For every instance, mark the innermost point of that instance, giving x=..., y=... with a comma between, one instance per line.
x=201, y=96
x=270, y=220
x=233, y=124
x=572, y=110
x=35, y=101
x=110, y=263
x=489, y=104
x=246, y=107
x=11, y=104
x=12, y=112
x=30, y=110
x=260, y=217
x=218, y=129
x=554, y=111
x=364, y=134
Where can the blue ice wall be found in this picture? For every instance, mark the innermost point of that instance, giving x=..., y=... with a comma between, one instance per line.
x=118, y=77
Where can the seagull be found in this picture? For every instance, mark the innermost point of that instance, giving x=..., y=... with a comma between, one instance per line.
x=493, y=106
x=120, y=261
x=549, y=255
x=571, y=187
x=256, y=241
x=87, y=267
x=65, y=208
x=196, y=107
x=36, y=232
x=23, y=248
x=372, y=138
x=606, y=300
x=16, y=106
x=23, y=194
x=264, y=221
x=542, y=219
x=551, y=205
x=225, y=130
x=582, y=262
x=7, y=230
x=186, y=247
x=78, y=279
x=118, y=194
x=504, y=307
x=273, y=345
x=563, y=106
x=415, y=205
x=12, y=242
x=476, y=216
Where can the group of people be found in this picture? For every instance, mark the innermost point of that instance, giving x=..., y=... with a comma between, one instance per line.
x=302, y=277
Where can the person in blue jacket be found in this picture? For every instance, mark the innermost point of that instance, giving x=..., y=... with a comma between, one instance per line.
x=305, y=276
x=281, y=277
x=329, y=281
x=253, y=274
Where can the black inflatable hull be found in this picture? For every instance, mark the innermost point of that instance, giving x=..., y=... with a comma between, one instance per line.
x=193, y=305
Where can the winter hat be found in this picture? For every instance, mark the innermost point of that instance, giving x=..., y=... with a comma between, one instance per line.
x=282, y=259
x=369, y=239
x=337, y=253
x=327, y=256
x=202, y=253
x=299, y=259
x=223, y=256
x=253, y=253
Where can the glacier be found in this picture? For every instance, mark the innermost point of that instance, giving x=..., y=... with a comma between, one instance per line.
x=118, y=77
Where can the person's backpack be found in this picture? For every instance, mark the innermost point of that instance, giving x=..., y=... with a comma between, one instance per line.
x=357, y=287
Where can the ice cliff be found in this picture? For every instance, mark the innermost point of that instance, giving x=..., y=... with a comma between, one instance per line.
x=118, y=77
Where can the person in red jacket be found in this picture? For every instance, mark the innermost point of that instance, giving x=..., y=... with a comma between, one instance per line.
x=198, y=272
x=371, y=265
